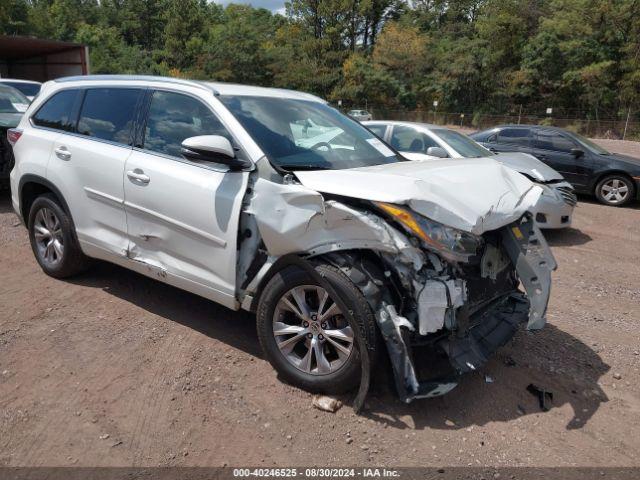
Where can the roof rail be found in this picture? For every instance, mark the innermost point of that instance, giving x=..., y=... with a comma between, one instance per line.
x=149, y=78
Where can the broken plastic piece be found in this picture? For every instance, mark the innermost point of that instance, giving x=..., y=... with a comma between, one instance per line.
x=545, y=398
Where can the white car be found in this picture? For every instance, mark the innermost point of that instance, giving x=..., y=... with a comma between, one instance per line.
x=222, y=190
x=28, y=88
x=360, y=115
x=421, y=141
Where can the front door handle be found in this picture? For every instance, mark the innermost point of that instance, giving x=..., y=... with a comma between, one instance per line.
x=138, y=176
x=62, y=153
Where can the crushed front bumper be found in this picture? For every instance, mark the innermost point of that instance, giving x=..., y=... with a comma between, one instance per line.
x=478, y=335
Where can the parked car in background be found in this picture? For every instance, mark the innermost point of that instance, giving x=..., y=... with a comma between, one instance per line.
x=28, y=88
x=421, y=141
x=271, y=201
x=613, y=178
x=360, y=115
x=13, y=104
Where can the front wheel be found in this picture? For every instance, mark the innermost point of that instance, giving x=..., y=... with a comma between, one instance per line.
x=615, y=190
x=305, y=335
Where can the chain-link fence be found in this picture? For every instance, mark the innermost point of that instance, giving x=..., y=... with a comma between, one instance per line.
x=612, y=129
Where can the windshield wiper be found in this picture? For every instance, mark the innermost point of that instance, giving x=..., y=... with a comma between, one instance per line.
x=302, y=167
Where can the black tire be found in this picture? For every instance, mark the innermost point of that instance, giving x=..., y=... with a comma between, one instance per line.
x=609, y=182
x=72, y=261
x=346, y=377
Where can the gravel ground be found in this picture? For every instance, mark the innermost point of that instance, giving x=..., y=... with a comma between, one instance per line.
x=111, y=368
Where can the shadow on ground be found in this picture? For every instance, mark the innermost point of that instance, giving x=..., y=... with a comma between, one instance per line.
x=5, y=201
x=566, y=237
x=550, y=358
x=207, y=317
x=633, y=205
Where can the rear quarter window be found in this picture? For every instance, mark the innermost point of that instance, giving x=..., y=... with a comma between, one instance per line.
x=57, y=111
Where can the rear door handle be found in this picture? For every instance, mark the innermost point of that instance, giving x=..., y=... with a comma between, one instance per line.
x=138, y=175
x=62, y=153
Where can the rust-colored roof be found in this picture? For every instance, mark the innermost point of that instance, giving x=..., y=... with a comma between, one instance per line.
x=12, y=47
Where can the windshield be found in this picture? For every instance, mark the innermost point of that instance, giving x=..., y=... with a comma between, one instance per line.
x=466, y=147
x=28, y=89
x=12, y=101
x=590, y=145
x=302, y=134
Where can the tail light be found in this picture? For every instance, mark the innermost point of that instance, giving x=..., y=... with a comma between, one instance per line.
x=13, y=135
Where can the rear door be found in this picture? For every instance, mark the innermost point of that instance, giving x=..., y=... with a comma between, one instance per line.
x=412, y=143
x=88, y=164
x=554, y=149
x=512, y=140
x=183, y=216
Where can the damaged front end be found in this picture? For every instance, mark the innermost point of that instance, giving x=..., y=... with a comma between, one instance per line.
x=455, y=290
x=468, y=309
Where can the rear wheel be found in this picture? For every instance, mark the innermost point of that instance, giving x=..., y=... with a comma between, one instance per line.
x=53, y=239
x=305, y=335
x=615, y=190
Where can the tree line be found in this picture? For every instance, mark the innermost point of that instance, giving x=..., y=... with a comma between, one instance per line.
x=581, y=57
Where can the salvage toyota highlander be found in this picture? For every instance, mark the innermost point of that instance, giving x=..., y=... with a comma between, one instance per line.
x=272, y=201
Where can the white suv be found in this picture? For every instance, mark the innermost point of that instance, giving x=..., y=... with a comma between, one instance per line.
x=272, y=201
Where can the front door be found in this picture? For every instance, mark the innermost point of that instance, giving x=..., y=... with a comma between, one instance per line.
x=183, y=216
x=554, y=149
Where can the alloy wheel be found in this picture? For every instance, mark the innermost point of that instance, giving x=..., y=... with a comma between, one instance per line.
x=47, y=230
x=614, y=191
x=311, y=332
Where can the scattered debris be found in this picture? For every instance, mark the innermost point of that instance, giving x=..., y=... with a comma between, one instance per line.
x=488, y=379
x=326, y=404
x=544, y=397
x=509, y=361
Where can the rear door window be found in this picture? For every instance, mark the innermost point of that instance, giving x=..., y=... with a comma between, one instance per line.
x=514, y=136
x=379, y=130
x=108, y=114
x=174, y=117
x=57, y=112
x=548, y=140
x=406, y=139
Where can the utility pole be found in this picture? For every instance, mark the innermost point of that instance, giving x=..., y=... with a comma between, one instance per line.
x=626, y=124
x=519, y=114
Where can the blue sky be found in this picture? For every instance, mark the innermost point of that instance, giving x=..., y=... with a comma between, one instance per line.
x=273, y=5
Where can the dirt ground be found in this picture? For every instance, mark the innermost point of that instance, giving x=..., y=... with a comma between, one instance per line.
x=114, y=369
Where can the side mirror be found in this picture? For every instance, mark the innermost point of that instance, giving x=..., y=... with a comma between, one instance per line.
x=212, y=148
x=437, y=152
x=576, y=152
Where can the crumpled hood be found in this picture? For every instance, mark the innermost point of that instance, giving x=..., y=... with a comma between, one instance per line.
x=528, y=165
x=474, y=195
